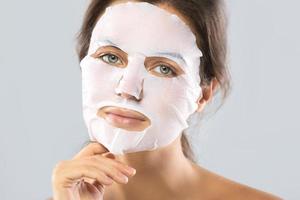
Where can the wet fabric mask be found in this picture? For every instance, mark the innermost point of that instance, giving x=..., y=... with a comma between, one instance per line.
x=143, y=39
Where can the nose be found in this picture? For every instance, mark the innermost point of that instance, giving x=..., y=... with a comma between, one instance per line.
x=130, y=85
x=129, y=96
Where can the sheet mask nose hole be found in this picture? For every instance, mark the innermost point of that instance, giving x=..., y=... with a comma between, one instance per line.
x=119, y=92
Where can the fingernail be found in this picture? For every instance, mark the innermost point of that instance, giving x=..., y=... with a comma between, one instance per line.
x=131, y=170
x=123, y=177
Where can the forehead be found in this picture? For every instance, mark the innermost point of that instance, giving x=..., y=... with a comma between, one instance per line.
x=144, y=28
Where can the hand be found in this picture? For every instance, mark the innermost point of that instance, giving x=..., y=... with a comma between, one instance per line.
x=88, y=173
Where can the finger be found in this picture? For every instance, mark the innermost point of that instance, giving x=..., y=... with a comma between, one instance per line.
x=86, y=173
x=124, y=168
x=97, y=160
x=91, y=149
x=92, y=167
x=102, y=164
x=99, y=186
x=114, y=173
x=88, y=191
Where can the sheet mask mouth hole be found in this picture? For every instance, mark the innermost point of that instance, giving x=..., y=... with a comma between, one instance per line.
x=119, y=121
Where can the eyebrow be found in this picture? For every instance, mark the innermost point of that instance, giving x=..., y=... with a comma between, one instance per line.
x=170, y=54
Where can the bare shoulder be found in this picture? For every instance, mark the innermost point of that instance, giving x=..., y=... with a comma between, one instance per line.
x=219, y=187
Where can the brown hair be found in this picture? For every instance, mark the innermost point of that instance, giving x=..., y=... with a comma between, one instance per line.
x=209, y=23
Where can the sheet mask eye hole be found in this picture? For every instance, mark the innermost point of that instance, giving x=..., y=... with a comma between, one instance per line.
x=111, y=59
x=165, y=70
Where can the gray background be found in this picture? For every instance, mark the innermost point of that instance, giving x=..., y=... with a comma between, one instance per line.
x=253, y=139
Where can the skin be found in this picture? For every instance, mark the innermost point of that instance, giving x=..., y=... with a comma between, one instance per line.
x=164, y=173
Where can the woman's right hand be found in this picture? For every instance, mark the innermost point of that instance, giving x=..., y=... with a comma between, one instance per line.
x=86, y=175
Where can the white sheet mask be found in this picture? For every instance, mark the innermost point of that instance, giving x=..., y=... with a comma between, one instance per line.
x=141, y=30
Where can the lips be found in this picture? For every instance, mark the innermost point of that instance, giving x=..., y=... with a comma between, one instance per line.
x=123, y=112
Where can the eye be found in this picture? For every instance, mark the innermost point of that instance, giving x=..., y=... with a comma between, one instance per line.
x=111, y=59
x=165, y=70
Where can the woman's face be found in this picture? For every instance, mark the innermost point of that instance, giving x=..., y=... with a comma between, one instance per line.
x=141, y=50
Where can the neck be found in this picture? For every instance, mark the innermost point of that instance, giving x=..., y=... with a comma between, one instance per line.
x=159, y=170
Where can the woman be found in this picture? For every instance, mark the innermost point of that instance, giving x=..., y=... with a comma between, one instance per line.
x=141, y=154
